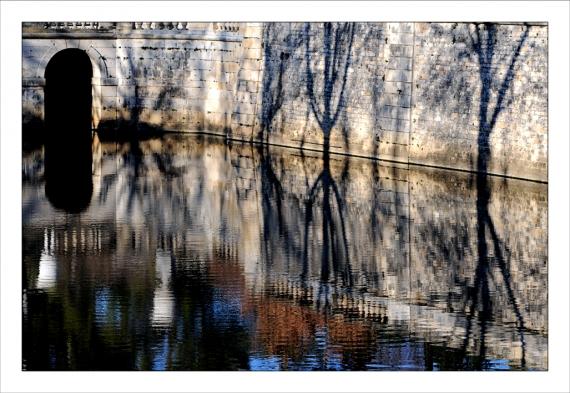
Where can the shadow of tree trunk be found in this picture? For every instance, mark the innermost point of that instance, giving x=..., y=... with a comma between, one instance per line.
x=337, y=44
x=274, y=81
x=325, y=85
x=326, y=106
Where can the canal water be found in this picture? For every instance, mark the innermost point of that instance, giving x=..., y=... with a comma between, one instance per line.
x=186, y=253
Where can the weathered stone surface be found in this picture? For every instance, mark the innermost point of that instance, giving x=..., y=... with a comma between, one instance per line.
x=466, y=96
x=481, y=88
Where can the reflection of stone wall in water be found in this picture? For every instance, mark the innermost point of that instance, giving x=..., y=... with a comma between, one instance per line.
x=379, y=208
x=445, y=256
x=444, y=243
x=159, y=189
x=172, y=201
x=373, y=210
x=411, y=236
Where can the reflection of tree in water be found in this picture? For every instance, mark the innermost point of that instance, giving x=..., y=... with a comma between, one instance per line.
x=322, y=207
x=334, y=243
x=326, y=92
x=336, y=46
x=276, y=211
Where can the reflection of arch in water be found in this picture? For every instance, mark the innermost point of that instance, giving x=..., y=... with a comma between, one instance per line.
x=68, y=108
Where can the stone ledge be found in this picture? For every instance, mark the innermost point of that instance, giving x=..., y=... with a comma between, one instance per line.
x=99, y=35
x=157, y=35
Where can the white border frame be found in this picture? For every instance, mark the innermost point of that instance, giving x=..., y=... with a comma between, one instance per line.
x=13, y=379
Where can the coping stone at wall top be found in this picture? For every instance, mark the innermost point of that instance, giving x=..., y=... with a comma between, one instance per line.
x=160, y=35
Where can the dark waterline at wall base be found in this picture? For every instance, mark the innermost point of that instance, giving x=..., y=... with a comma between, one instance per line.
x=113, y=135
x=33, y=131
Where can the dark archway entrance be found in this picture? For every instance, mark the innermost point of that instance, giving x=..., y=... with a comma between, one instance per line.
x=68, y=91
x=68, y=155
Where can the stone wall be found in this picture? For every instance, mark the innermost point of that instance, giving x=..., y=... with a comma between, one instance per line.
x=462, y=96
x=347, y=82
x=480, y=98
x=164, y=76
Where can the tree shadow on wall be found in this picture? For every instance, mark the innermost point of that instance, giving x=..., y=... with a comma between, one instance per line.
x=318, y=59
x=279, y=58
x=483, y=38
x=145, y=95
x=326, y=106
x=326, y=59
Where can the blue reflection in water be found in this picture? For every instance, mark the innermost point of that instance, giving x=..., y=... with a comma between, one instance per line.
x=499, y=364
x=225, y=308
x=102, y=305
x=161, y=355
x=216, y=258
x=271, y=363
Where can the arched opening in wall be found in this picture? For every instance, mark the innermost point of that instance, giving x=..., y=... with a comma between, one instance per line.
x=68, y=92
x=68, y=108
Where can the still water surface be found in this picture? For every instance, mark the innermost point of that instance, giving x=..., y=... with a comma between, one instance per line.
x=179, y=253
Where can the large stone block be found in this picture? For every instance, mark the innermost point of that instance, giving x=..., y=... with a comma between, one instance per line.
x=401, y=38
x=398, y=76
x=248, y=75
